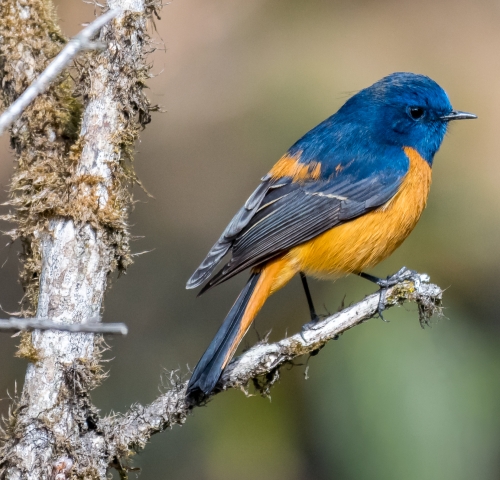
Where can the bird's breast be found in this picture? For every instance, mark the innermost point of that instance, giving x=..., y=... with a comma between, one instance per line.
x=365, y=241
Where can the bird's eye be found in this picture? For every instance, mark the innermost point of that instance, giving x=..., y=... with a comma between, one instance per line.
x=416, y=112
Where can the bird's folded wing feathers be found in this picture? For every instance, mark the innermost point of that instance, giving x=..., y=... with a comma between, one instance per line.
x=222, y=246
x=281, y=214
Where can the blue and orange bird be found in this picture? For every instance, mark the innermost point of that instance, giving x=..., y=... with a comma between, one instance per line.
x=341, y=200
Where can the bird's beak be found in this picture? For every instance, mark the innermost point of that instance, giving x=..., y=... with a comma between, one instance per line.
x=458, y=115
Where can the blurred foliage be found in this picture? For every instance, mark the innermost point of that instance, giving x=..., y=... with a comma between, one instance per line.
x=241, y=81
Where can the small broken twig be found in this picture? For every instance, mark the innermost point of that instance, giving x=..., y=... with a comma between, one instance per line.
x=14, y=324
x=75, y=45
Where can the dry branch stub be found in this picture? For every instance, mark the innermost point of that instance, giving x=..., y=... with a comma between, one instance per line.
x=92, y=325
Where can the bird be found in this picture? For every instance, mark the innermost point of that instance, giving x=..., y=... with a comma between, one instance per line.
x=338, y=202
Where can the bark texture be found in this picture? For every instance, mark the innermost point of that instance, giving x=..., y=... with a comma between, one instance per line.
x=42, y=82
x=71, y=194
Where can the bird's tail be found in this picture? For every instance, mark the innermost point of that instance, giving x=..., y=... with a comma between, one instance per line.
x=219, y=353
x=222, y=348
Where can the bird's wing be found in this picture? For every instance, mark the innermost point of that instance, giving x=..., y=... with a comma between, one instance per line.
x=282, y=213
x=236, y=225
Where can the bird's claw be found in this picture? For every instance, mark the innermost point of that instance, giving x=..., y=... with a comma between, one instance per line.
x=311, y=325
x=381, y=303
x=398, y=277
x=392, y=280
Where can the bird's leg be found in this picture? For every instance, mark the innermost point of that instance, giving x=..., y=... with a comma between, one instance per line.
x=390, y=281
x=312, y=311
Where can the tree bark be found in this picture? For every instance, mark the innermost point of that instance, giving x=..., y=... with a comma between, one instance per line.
x=53, y=428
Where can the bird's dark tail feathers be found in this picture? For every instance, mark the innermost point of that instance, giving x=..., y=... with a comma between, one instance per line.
x=220, y=351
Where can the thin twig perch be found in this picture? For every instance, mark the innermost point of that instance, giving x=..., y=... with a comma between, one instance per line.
x=75, y=45
x=264, y=359
x=261, y=364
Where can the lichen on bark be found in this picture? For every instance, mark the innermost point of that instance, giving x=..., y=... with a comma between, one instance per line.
x=50, y=178
x=43, y=137
x=69, y=197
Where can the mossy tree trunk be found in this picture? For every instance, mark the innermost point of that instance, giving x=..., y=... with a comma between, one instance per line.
x=70, y=194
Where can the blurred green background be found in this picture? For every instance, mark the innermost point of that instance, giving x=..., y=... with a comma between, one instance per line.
x=240, y=81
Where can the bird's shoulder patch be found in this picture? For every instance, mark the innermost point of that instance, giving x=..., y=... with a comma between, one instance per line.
x=292, y=167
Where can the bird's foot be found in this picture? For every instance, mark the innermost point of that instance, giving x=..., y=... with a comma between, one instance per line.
x=392, y=280
x=315, y=319
x=400, y=276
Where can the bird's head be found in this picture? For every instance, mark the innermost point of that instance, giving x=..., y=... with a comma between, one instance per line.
x=404, y=109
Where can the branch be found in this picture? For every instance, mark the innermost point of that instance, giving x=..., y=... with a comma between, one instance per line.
x=14, y=324
x=75, y=45
x=261, y=364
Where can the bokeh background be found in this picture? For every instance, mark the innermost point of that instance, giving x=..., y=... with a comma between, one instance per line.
x=240, y=81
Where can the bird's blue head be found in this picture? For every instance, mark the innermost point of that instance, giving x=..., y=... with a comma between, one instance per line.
x=403, y=109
